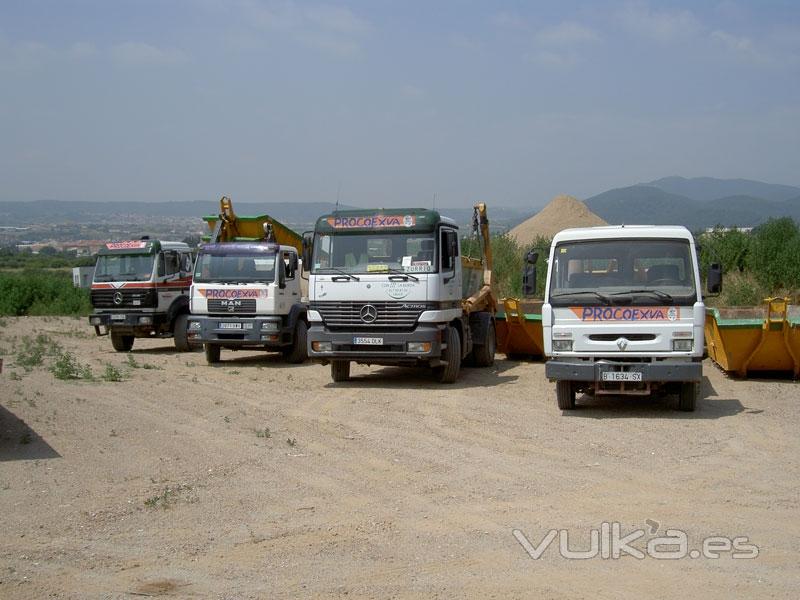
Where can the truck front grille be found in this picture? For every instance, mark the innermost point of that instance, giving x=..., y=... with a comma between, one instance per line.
x=124, y=298
x=368, y=315
x=232, y=305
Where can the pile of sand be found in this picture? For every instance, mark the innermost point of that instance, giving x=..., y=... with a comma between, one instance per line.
x=563, y=212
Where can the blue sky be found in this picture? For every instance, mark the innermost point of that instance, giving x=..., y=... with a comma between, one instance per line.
x=391, y=101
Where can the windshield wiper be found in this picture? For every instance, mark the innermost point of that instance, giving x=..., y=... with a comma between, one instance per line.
x=343, y=273
x=403, y=274
x=658, y=293
x=603, y=297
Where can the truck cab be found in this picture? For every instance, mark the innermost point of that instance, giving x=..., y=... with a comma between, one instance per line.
x=247, y=295
x=623, y=313
x=140, y=289
x=386, y=287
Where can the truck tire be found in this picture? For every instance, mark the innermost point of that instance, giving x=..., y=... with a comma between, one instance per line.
x=298, y=351
x=180, y=334
x=121, y=343
x=687, y=397
x=212, y=353
x=483, y=355
x=565, y=395
x=340, y=370
x=448, y=373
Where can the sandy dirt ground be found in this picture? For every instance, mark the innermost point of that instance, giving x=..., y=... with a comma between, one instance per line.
x=255, y=479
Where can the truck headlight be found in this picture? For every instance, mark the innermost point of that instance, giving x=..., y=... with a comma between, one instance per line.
x=145, y=320
x=682, y=345
x=562, y=345
x=194, y=325
x=321, y=346
x=419, y=346
x=269, y=326
x=95, y=321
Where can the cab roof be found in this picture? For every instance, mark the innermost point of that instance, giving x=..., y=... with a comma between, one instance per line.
x=381, y=219
x=613, y=232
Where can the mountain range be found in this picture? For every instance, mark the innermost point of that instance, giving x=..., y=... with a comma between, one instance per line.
x=697, y=203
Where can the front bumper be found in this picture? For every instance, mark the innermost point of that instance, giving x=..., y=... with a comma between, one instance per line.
x=128, y=323
x=238, y=331
x=660, y=371
x=393, y=350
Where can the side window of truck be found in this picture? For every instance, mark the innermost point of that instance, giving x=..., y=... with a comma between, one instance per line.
x=448, y=242
x=288, y=261
x=171, y=263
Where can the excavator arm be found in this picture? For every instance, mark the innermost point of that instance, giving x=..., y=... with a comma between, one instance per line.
x=484, y=298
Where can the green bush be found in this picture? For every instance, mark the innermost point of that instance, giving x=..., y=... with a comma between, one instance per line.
x=508, y=260
x=728, y=248
x=66, y=366
x=741, y=289
x=774, y=257
x=41, y=292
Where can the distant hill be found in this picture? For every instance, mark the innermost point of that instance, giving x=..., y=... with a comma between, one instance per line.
x=646, y=204
x=709, y=188
x=641, y=204
x=298, y=215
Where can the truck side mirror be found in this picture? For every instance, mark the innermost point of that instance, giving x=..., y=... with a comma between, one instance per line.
x=529, y=274
x=308, y=246
x=714, y=278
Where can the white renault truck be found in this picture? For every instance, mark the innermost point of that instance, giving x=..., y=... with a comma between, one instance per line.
x=390, y=287
x=623, y=312
x=246, y=292
x=140, y=289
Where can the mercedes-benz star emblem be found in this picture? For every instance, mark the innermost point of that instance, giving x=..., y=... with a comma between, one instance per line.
x=118, y=298
x=368, y=313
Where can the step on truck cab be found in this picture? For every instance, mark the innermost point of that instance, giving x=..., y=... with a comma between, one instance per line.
x=623, y=312
x=140, y=289
x=246, y=292
x=389, y=287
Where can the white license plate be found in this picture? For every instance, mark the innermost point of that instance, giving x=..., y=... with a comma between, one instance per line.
x=230, y=325
x=117, y=317
x=621, y=376
x=367, y=341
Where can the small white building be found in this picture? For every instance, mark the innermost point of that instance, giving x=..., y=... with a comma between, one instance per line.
x=82, y=276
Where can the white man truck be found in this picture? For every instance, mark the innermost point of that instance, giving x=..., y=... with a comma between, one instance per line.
x=623, y=312
x=140, y=289
x=390, y=287
x=246, y=292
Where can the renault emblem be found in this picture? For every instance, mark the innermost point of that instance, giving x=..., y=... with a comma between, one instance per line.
x=622, y=343
x=118, y=298
x=368, y=313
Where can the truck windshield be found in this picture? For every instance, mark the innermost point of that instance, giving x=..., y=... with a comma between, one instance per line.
x=638, y=271
x=374, y=253
x=124, y=267
x=235, y=268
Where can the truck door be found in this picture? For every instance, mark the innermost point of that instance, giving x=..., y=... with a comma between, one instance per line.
x=450, y=267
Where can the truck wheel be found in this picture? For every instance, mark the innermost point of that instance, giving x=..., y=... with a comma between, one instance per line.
x=298, y=351
x=180, y=334
x=565, y=395
x=687, y=397
x=212, y=353
x=483, y=355
x=340, y=370
x=448, y=373
x=121, y=343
